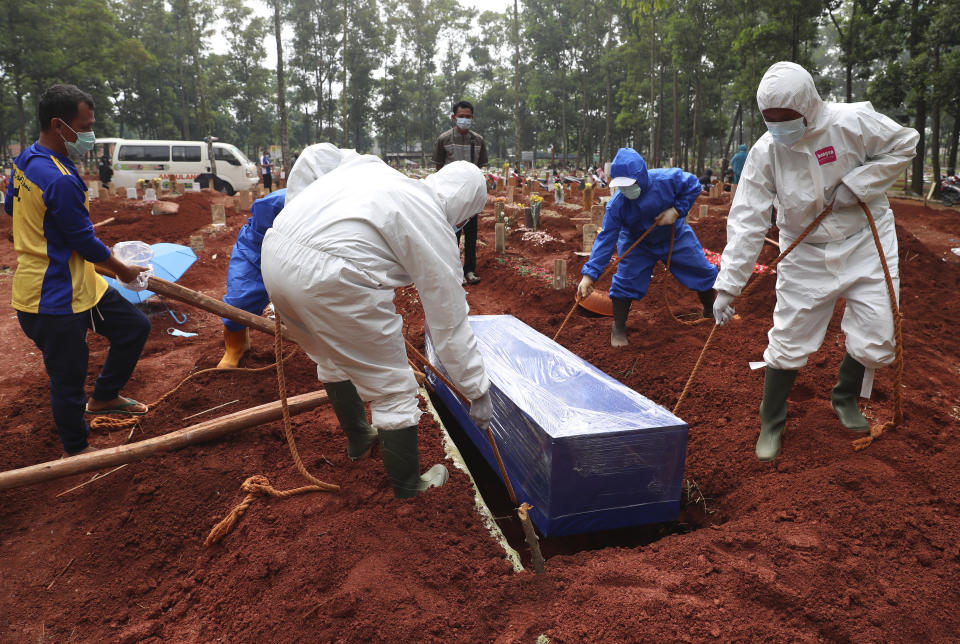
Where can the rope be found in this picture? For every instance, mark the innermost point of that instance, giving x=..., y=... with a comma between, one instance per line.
x=258, y=485
x=666, y=300
x=744, y=292
x=877, y=430
x=110, y=423
x=602, y=275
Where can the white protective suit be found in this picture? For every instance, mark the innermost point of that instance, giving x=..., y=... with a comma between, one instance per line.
x=315, y=161
x=334, y=256
x=848, y=143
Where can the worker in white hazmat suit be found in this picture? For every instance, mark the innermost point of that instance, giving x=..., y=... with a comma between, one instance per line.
x=245, y=289
x=330, y=264
x=814, y=155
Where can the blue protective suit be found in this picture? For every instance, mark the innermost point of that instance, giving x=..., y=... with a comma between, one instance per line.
x=245, y=289
x=738, y=161
x=626, y=219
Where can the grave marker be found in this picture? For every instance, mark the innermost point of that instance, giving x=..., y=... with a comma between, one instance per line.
x=219, y=214
x=559, y=274
x=501, y=232
x=589, y=236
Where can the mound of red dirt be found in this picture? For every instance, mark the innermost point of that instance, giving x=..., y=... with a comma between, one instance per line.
x=824, y=544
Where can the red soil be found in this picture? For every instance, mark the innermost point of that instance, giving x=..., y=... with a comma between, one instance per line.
x=825, y=544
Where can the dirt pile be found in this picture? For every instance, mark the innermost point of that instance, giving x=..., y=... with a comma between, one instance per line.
x=825, y=543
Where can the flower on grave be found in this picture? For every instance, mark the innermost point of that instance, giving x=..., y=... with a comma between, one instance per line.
x=535, y=199
x=500, y=200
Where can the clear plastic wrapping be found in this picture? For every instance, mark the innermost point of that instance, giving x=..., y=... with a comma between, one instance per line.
x=585, y=450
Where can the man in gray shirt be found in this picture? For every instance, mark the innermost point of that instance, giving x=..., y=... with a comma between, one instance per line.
x=460, y=144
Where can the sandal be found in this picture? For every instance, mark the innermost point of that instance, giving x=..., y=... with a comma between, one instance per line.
x=122, y=408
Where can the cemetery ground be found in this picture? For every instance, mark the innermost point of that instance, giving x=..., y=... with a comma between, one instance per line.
x=826, y=543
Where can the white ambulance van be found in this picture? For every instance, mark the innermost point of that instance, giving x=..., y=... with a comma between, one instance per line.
x=141, y=159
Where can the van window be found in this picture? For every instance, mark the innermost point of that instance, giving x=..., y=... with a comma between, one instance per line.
x=222, y=154
x=186, y=153
x=144, y=153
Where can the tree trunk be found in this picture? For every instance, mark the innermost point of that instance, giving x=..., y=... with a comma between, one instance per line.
x=21, y=114
x=954, y=135
x=676, y=117
x=606, y=154
x=281, y=92
x=920, y=124
x=343, y=102
x=935, y=127
x=697, y=153
x=653, y=77
x=659, y=127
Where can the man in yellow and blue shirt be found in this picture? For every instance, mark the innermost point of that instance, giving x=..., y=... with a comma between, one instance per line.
x=56, y=291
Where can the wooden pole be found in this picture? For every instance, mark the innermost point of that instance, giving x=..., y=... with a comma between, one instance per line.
x=205, y=302
x=704, y=210
x=174, y=440
x=218, y=214
x=501, y=232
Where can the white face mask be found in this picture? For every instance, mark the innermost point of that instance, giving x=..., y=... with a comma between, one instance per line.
x=787, y=132
x=464, y=122
x=630, y=192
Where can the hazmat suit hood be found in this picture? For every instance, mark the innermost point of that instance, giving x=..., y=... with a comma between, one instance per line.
x=315, y=161
x=461, y=190
x=789, y=86
x=629, y=163
x=743, y=147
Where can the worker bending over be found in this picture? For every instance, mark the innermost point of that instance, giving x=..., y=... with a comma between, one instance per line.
x=660, y=197
x=814, y=155
x=331, y=263
x=245, y=289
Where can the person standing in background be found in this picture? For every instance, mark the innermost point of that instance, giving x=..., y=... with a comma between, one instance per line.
x=266, y=170
x=459, y=143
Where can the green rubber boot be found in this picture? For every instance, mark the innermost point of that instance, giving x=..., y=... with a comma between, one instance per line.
x=706, y=299
x=773, y=411
x=844, y=395
x=618, y=335
x=353, y=418
x=401, y=459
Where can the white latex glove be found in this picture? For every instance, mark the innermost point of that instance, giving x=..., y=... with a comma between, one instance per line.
x=844, y=197
x=722, y=311
x=481, y=410
x=667, y=217
x=585, y=287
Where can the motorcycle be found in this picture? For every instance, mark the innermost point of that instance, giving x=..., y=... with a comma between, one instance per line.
x=950, y=190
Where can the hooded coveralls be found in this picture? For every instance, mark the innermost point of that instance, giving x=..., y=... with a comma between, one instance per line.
x=334, y=256
x=848, y=143
x=245, y=289
x=737, y=162
x=626, y=219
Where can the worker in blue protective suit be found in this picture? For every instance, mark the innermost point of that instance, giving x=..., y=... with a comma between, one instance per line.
x=738, y=161
x=245, y=289
x=660, y=197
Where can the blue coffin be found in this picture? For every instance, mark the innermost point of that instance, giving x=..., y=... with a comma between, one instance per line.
x=586, y=451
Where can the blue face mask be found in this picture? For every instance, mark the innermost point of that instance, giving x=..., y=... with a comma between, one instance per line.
x=631, y=192
x=84, y=143
x=464, y=123
x=787, y=132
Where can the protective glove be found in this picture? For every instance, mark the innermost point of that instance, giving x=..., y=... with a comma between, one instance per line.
x=722, y=311
x=481, y=410
x=134, y=277
x=667, y=217
x=844, y=197
x=585, y=287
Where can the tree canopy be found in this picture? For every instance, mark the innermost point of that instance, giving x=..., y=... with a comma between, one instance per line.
x=574, y=81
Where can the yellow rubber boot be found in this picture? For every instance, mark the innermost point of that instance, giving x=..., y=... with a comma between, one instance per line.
x=236, y=343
